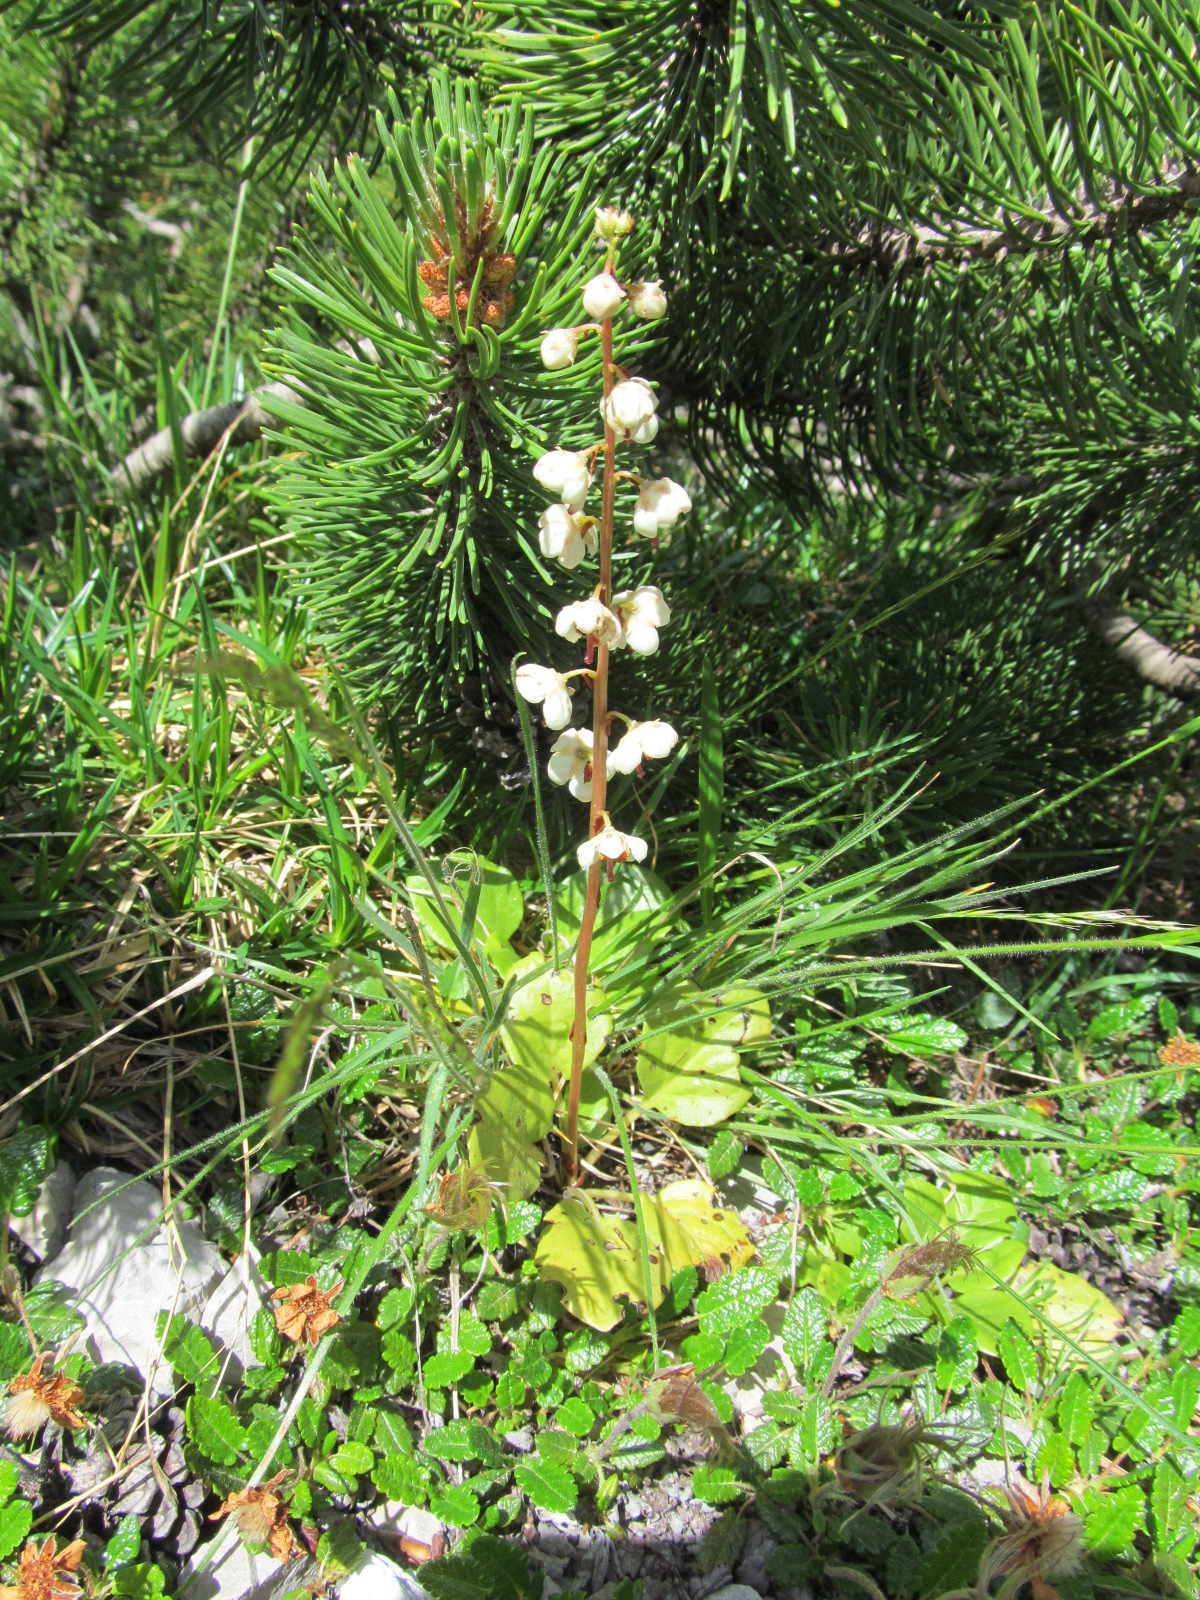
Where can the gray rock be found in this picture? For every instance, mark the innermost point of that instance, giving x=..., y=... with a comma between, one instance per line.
x=378, y=1577
x=752, y=1567
x=634, y=1509
x=520, y=1439
x=42, y=1232
x=230, y=1309
x=120, y=1263
x=234, y=1573
x=736, y=1591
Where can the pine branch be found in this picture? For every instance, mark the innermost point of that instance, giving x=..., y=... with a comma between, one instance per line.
x=893, y=249
x=1155, y=662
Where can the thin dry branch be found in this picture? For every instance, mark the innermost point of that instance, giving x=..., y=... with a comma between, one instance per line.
x=1153, y=661
x=892, y=248
x=202, y=431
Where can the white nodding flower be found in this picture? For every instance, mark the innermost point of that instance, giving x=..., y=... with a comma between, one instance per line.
x=544, y=686
x=630, y=409
x=571, y=762
x=588, y=619
x=642, y=613
x=643, y=741
x=661, y=502
x=565, y=472
x=559, y=348
x=603, y=296
x=611, y=845
x=648, y=300
x=566, y=537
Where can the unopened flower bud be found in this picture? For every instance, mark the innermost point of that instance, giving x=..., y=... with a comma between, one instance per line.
x=588, y=619
x=566, y=537
x=565, y=472
x=648, y=300
x=611, y=845
x=661, y=502
x=612, y=224
x=643, y=741
x=602, y=296
x=642, y=612
x=544, y=686
x=630, y=407
x=559, y=348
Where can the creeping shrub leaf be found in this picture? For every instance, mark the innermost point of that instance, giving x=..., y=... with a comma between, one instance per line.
x=549, y=1485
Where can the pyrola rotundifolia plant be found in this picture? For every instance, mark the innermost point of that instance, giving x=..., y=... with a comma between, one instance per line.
x=584, y=759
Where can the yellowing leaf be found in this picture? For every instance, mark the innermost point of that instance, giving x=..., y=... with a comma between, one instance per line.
x=596, y=1259
x=682, y=1221
x=506, y=1158
x=1073, y=1305
x=688, y=1068
x=521, y=1100
x=537, y=1030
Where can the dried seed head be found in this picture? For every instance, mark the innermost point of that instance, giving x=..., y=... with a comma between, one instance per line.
x=885, y=1463
x=915, y=1268
x=42, y=1575
x=675, y=1396
x=464, y=1200
x=1043, y=1540
x=35, y=1399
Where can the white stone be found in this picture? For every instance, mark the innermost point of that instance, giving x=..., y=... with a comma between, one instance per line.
x=42, y=1232
x=230, y=1309
x=120, y=1263
x=736, y=1591
x=234, y=1573
x=378, y=1577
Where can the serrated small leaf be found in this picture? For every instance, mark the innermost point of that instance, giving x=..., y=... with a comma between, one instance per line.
x=576, y=1416
x=724, y=1153
x=395, y=1309
x=1076, y=1409
x=735, y=1300
x=953, y=1563
x=548, y=1484
x=1018, y=1356
x=724, y=1542
x=1169, y=1497
x=1112, y=1520
x=717, y=1486
x=957, y=1353
x=124, y=1545
x=353, y=1458
x=745, y=1345
x=464, y=1439
x=455, y=1503
x=25, y=1159
x=16, y=1519
x=215, y=1429
x=805, y=1325
x=447, y=1367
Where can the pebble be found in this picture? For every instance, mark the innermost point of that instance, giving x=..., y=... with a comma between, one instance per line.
x=634, y=1509
x=520, y=1439
x=119, y=1262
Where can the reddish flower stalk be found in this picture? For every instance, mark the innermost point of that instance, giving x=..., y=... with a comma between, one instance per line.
x=587, y=925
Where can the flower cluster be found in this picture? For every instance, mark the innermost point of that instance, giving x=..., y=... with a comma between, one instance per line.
x=582, y=759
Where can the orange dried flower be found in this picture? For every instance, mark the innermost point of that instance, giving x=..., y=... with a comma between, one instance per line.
x=35, y=1399
x=261, y=1518
x=1180, y=1053
x=42, y=1575
x=305, y=1309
